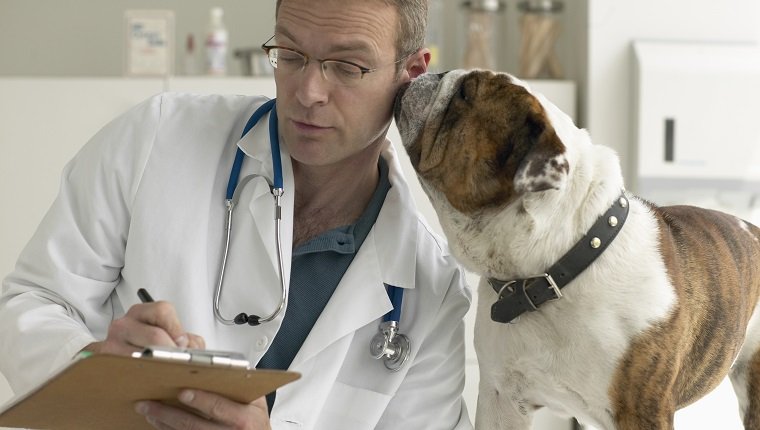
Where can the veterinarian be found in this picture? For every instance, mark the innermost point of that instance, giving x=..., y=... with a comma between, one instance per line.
x=143, y=205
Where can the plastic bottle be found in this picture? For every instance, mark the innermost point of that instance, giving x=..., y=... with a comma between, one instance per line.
x=216, y=44
x=190, y=66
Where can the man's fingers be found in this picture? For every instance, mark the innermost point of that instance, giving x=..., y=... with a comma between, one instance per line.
x=226, y=411
x=261, y=404
x=147, y=324
x=164, y=417
x=211, y=405
x=213, y=412
x=132, y=331
x=195, y=341
x=159, y=314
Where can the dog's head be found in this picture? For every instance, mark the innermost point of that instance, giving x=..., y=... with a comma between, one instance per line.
x=479, y=138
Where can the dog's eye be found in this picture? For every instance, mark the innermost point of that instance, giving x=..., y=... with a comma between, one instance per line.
x=468, y=90
x=463, y=93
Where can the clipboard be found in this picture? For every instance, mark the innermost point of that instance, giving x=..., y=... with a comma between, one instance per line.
x=99, y=391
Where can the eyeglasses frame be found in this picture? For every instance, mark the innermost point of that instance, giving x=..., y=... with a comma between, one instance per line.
x=364, y=70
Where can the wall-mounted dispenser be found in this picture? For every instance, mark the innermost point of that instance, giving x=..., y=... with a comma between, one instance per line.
x=696, y=125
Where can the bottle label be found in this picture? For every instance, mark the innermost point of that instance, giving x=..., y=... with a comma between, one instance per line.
x=216, y=55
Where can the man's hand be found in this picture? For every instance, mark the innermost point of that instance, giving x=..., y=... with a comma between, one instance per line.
x=147, y=324
x=156, y=324
x=221, y=413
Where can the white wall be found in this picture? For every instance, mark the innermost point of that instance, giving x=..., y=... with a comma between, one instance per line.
x=612, y=26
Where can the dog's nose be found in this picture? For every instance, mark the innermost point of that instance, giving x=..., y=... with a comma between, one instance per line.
x=397, y=102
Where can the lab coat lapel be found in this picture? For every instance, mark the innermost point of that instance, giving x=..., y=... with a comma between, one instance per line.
x=256, y=144
x=398, y=219
x=361, y=297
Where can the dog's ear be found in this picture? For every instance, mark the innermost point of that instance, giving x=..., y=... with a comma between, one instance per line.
x=544, y=166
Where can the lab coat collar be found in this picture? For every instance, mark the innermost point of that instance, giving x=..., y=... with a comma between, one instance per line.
x=256, y=145
x=397, y=261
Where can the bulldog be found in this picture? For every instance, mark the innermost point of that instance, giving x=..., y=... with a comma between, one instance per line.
x=592, y=302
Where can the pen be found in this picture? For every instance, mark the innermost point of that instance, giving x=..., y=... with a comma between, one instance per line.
x=144, y=296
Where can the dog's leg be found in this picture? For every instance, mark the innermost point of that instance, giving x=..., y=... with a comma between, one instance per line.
x=745, y=378
x=659, y=416
x=501, y=410
x=745, y=374
x=752, y=413
x=643, y=395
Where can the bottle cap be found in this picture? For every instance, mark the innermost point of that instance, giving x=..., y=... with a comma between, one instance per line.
x=540, y=6
x=484, y=5
x=217, y=13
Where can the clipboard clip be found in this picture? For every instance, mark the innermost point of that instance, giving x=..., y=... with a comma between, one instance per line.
x=195, y=356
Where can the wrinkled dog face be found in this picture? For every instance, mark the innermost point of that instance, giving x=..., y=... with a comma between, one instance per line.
x=478, y=138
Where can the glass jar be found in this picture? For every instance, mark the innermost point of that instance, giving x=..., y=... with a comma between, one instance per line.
x=540, y=29
x=434, y=36
x=483, y=39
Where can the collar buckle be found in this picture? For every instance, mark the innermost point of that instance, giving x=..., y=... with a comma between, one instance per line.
x=523, y=295
x=516, y=297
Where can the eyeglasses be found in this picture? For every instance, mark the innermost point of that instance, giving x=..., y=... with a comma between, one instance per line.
x=345, y=73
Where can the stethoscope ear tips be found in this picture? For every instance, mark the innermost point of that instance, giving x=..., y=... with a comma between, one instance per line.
x=243, y=318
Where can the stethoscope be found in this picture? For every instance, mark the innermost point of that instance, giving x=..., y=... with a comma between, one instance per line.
x=388, y=344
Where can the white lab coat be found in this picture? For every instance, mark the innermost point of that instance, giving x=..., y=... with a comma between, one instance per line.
x=141, y=205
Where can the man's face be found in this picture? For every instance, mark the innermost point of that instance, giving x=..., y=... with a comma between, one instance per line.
x=321, y=122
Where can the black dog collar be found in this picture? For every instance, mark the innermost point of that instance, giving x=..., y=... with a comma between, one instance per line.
x=527, y=295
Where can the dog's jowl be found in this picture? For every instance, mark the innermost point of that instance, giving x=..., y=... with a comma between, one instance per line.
x=593, y=302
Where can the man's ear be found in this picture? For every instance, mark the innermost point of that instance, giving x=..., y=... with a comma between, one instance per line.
x=545, y=166
x=417, y=63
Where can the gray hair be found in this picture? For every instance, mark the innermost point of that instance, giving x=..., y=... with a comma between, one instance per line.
x=412, y=24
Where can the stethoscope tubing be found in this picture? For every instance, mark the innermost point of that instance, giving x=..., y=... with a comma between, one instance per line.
x=396, y=295
x=230, y=202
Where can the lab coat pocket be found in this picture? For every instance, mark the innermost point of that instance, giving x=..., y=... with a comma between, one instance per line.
x=352, y=408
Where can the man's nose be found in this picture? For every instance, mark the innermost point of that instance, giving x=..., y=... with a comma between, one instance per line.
x=312, y=88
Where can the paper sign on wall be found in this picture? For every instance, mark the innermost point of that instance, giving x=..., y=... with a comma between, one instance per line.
x=150, y=42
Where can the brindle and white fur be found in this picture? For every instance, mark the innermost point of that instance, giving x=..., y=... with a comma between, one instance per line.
x=656, y=322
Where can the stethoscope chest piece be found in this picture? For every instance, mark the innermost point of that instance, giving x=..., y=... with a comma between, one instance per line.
x=391, y=346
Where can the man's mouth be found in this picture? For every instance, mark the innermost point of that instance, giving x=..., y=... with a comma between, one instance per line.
x=306, y=126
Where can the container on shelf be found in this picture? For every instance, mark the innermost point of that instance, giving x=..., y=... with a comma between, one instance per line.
x=217, y=40
x=540, y=28
x=484, y=39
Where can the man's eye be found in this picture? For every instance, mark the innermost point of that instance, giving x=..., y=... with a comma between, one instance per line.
x=288, y=56
x=346, y=69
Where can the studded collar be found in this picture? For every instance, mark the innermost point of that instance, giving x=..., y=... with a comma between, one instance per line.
x=527, y=295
